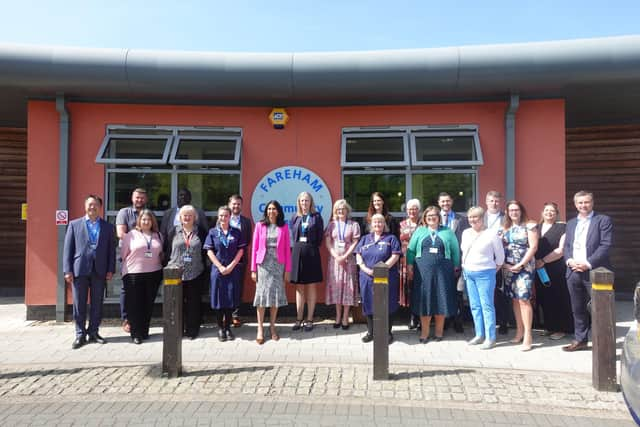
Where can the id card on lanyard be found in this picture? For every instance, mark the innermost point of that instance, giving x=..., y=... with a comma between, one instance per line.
x=187, y=242
x=341, y=233
x=148, y=253
x=304, y=225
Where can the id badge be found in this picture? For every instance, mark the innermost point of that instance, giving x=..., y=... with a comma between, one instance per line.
x=341, y=245
x=148, y=254
x=303, y=239
x=433, y=250
x=93, y=246
x=186, y=258
x=510, y=260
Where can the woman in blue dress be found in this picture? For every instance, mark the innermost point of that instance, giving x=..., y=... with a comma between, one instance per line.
x=432, y=257
x=224, y=246
x=373, y=248
x=521, y=243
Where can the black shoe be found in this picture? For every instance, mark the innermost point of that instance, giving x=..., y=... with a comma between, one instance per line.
x=222, y=335
x=367, y=338
x=96, y=338
x=503, y=330
x=437, y=339
x=345, y=327
x=412, y=323
x=457, y=326
x=230, y=335
x=423, y=340
x=79, y=342
x=145, y=336
x=137, y=340
x=336, y=325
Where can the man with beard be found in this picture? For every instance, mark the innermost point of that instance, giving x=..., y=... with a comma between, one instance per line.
x=243, y=224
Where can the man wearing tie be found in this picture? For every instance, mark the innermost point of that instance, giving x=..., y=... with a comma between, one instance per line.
x=586, y=246
x=456, y=223
x=88, y=262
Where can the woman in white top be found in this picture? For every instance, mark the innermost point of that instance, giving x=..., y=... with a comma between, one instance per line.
x=482, y=255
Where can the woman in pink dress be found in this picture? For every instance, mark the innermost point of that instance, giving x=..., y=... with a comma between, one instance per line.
x=341, y=238
x=407, y=227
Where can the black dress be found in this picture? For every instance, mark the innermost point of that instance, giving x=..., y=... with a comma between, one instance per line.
x=554, y=298
x=308, y=232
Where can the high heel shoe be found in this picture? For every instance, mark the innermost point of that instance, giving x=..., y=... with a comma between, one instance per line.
x=260, y=340
x=274, y=333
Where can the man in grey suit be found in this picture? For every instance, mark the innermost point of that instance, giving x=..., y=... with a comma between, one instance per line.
x=586, y=246
x=88, y=262
x=456, y=223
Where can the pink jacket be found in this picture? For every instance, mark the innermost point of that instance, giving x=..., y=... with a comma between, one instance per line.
x=259, y=247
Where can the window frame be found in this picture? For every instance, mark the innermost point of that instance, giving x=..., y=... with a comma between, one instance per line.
x=141, y=161
x=179, y=138
x=370, y=133
x=443, y=133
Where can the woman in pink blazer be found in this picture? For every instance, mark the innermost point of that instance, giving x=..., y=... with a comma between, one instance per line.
x=270, y=266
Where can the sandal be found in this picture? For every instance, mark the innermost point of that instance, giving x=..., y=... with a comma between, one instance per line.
x=297, y=326
x=308, y=326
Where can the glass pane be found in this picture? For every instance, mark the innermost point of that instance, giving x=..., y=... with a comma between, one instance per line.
x=133, y=148
x=358, y=189
x=461, y=186
x=157, y=184
x=380, y=149
x=445, y=148
x=193, y=149
x=210, y=191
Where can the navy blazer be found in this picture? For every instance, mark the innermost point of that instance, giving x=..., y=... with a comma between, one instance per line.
x=246, y=232
x=599, y=240
x=77, y=257
x=315, y=232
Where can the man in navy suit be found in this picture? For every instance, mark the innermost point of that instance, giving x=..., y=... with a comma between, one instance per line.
x=88, y=262
x=586, y=246
x=243, y=224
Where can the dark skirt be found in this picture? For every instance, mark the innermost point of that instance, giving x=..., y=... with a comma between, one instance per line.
x=306, y=265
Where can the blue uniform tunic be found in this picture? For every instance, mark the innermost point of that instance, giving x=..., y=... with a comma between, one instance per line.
x=225, y=290
x=373, y=252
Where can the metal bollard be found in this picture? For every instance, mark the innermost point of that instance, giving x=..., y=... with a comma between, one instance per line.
x=603, y=330
x=172, y=316
x=380, y=321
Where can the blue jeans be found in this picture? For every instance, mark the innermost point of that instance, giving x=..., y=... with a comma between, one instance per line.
x=480, y=287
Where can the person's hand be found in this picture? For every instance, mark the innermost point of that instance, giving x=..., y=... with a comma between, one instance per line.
x=515, y=268
x=222, y=269
x=68, y=278
x=539, y=263
x=286, y=276
x=109, y=276
x=254, y=276
x=409, y=272
x=580, y=267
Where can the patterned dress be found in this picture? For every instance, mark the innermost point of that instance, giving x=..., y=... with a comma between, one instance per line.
x=270, y=290
x=342, y=280
x=518, y=285
x=407, y=228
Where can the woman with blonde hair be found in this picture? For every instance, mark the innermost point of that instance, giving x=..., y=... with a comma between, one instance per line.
x=341, y=238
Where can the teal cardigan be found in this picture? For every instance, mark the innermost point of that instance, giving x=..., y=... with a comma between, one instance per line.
x=451, y=247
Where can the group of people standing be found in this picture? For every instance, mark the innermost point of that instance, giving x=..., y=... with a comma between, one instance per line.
x=433, y=256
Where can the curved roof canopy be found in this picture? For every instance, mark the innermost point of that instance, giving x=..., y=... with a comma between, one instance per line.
x=591, y=70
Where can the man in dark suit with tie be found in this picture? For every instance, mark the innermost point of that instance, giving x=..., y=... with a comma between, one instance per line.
x=586, y=246
x=456, y=223
x=89, y=260
x=245, y=226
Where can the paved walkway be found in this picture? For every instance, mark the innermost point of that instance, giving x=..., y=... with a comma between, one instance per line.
x=318, y=378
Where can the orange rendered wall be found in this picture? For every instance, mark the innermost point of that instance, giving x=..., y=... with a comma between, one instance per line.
x=311, y=139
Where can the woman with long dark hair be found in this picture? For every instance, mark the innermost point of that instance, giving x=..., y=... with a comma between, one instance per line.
x=377, y=205
x=270, y=266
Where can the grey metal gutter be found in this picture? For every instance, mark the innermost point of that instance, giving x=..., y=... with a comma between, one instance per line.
x=510, y=147
x=416, y=75
x=63, y=202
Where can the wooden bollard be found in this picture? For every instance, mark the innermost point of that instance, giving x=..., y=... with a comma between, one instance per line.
x=380, y=321
x=603, y=330
x=172, y=316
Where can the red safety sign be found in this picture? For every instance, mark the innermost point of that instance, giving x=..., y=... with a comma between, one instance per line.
x=62, y=217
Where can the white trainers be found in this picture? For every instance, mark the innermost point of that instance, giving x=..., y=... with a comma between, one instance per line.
x=487, y=345
x=475, y=340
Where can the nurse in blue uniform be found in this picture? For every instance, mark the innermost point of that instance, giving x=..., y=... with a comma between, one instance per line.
x=375, y=247
x=224, y=246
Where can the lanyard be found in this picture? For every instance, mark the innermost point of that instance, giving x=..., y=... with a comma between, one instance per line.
x=94, y=231
x=148, y=241
x=433, y=237
x=224, y=238
x=187, y=239
x=235, y=222
x=341, y=233
x=305, y=224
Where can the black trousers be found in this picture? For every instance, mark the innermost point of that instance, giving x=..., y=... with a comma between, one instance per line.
x=242, y=266
x=141, y=289
x=370, y=324
x=192, y=293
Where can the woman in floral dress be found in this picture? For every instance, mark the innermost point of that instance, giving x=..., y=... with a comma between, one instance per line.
x=407, y=227
x=521, y=243
x=341, y=238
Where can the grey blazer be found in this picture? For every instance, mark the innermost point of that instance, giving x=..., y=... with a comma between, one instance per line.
x=78, y=258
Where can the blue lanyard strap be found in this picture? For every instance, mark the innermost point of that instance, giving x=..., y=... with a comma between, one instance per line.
x=342, y=232
x=94, y=231
x=224, y=238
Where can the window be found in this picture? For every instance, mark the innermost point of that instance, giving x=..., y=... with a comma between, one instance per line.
x=163, y=160
x=410, y=162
